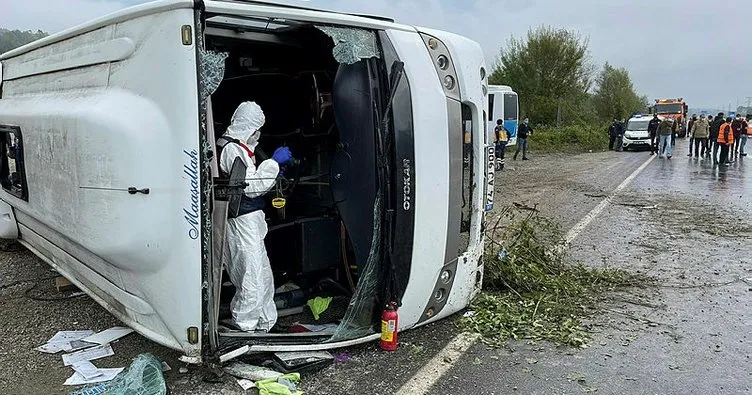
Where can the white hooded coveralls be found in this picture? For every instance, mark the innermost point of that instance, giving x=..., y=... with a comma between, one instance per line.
x=248, y=265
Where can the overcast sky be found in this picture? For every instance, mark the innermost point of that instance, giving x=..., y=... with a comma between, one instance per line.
x=700, y=50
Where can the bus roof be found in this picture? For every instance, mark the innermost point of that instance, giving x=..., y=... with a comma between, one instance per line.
x=500, y=89
x=233, y=8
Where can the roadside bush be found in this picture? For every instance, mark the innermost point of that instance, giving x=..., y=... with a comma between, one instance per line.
x=532, y=291
x=570, y=139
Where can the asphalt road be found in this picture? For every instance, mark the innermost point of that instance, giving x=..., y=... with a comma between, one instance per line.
x=683, y=221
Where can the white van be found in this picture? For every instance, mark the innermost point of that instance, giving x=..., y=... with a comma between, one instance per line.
x=109, y=173
x=636, y=133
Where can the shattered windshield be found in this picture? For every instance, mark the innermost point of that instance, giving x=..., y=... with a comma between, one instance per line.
x=351, y=44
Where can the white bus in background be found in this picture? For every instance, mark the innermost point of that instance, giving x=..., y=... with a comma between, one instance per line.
x=109, y=170
x=503, y=104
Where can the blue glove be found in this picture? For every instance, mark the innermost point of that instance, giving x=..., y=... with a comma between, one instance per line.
x=282, y=155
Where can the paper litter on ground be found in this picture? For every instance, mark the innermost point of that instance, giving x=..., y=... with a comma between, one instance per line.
x=89, y=354
x=107, y=375
x=86, y=369
x=108, y=335
x=246, y=384
x=62, y=341
x=80, y=345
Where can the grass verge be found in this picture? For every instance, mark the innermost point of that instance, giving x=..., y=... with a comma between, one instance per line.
x=532, y=291
x=570, y=139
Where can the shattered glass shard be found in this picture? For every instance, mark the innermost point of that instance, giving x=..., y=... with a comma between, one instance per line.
x=350, y=44
x=212, y=72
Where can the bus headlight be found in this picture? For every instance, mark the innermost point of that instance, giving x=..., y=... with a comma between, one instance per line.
x=439, y=294
x=446, y=276
x=449, y=82
x=433, y=43
x=443, y=64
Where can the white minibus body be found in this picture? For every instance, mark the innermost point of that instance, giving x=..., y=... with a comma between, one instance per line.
x=503, y=104
x=109, y=171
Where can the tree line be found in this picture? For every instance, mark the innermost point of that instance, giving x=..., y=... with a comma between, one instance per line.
x=12, y=39
x=557, y=82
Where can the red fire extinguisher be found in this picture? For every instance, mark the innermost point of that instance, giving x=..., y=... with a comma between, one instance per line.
x=388, y=340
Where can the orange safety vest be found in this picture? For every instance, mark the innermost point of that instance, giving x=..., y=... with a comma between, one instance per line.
x=726, y=134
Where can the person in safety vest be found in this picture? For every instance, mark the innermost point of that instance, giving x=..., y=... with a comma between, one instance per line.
x=502, y=138
x=252, y=307
x=725, y=141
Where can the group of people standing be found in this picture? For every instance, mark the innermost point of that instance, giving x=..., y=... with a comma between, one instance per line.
x=727, y=137
x=719, y=138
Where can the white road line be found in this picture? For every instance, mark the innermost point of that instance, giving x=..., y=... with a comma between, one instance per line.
x=422, y=381
x=431, y=372
x=584, y=222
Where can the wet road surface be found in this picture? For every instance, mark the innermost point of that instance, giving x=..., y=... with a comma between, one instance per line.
x=688, y=223
x=684, y=221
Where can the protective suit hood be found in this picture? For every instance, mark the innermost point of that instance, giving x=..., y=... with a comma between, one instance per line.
x=246, y=122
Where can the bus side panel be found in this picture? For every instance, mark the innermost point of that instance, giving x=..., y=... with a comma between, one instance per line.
x=125, y=116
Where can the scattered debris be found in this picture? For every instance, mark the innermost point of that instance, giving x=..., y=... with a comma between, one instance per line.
x=105, y=375
x=341, y=357
x=521, y=206
x=165, y=367
x=638, y=205
x=283, y=385
x=288, y=362
x=86, y=369
x=144, y=376
x=469, y=314
x=108, y=335
x=64, y=285
x=249, y=372
x=183, y=370
x=246, y=384
x=62, y=341
x=523, y=290
x=88, y=354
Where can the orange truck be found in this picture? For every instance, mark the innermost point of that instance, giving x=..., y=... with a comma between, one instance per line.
x=673, y=108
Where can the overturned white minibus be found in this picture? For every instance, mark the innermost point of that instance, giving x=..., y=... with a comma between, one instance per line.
x=109, y=171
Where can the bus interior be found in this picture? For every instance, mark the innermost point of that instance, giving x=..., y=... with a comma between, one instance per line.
x=319, y=242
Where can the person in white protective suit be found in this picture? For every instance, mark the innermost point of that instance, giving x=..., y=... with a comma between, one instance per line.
x=248, y=265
